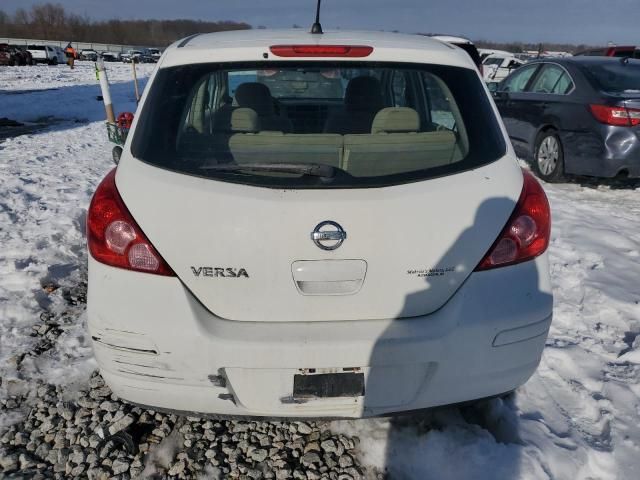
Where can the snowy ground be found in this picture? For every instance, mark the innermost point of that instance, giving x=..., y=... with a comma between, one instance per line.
x=577, y=418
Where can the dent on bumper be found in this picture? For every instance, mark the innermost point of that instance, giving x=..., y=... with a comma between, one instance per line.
x=156, y=345
x=603, y=154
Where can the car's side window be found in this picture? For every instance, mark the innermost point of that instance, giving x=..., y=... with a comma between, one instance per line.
x=399, y=87
x=519, y=80
x=564, y=85
x=552, y=79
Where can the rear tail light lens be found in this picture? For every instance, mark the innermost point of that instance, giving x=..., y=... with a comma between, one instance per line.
x=526, y=234
x=617, y=116
x=113, y=236
x=352, y=51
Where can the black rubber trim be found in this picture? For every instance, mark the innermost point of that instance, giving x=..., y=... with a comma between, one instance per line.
x=184, y=42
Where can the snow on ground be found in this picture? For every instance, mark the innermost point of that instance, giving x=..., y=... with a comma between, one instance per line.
x=43, y=92
x=46, y=181
x=577, y=418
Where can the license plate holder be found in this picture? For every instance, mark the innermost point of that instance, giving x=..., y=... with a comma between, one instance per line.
x=328, y=385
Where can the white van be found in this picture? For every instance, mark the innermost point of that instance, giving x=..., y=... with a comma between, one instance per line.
x=317, y=225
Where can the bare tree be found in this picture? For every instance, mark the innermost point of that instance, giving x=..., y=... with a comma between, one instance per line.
x=49, y=21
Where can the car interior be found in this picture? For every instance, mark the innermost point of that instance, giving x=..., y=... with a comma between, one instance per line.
x=376, y=129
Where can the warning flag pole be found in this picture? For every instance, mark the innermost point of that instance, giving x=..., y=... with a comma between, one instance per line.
x=106, y=94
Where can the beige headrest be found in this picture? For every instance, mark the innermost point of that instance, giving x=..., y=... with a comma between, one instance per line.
x=245, y=120
x=396, y=120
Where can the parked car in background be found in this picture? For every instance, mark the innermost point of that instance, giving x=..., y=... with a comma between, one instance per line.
x=576, y=115
x=155, y=53
x=14, y=55
x=110, y=56
x=611, y=51
x=46, y=54
x=23, y=55
x=90, y=55
x=465, y=44
x=497, y=66
x=307, y=306
x=137, y=56
x=485, y=52
x=60, y=54
x=6, y=57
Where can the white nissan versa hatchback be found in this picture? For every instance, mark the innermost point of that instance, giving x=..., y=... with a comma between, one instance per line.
x=311, y=225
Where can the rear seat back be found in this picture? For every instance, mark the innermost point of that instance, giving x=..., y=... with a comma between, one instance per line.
x=396, y=145
x=286, y=147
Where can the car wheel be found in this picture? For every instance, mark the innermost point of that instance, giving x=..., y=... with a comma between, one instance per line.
x=116, y=153
x=548, y=158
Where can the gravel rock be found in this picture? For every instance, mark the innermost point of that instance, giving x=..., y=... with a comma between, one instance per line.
x=177, y=468
x=121, y=424
x=97, y=436
x=304, y=428
x=119, y=466
x=8, y=462
x=259, y=455
x=329, y=446
x=310, y=458
x=345, y=461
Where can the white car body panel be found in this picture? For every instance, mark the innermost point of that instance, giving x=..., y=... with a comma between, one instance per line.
x=159, y=346
x=242, y=46
x=233, y=345
x=266, y=230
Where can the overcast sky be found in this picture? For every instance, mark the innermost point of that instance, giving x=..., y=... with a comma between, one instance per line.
x=573, y=21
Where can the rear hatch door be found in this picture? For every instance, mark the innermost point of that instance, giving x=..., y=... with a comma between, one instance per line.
x=246, y=252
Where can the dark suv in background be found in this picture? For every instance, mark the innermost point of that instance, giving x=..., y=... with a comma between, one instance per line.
x=577, y=115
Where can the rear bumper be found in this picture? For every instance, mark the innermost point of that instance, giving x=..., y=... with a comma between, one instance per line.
x=156, y=345
x=606, y=152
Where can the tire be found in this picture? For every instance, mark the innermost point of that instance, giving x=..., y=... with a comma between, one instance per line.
x=116, y=153
x=548, y=157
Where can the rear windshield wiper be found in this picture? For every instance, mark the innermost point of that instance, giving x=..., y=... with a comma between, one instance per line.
x=311, y=169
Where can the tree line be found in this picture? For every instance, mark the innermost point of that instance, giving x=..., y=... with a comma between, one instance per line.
x=51, y=21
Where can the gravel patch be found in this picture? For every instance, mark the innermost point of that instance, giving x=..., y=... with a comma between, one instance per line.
x=48, y=432
x=98, y=436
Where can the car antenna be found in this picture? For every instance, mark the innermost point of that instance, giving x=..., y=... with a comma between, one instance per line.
x=316, y=28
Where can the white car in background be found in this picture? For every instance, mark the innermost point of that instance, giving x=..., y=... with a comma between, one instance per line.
x=317, y=225
x=154, y=53
x=498, y=66
x=51, y=55
x=89, y=54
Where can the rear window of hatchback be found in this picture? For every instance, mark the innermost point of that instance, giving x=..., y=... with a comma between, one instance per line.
x=373, y=124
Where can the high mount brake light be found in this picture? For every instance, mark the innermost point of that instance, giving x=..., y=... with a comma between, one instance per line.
x=616, y=116
x=351, y=51
x=114, y=237
x=526, y=234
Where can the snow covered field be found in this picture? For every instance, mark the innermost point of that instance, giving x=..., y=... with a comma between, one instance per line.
x=577, y=418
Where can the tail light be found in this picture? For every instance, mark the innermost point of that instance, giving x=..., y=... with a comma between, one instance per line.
x=526, y=234
x=115, y=238
x=617, y=116
x=352, y=51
